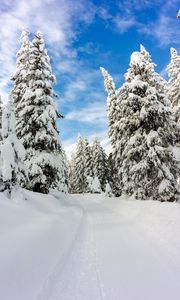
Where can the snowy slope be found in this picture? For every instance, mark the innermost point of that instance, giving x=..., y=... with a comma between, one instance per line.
x=88, y=247
x=35, y=236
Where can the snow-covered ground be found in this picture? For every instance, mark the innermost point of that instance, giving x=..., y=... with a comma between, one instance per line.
x=55, y=247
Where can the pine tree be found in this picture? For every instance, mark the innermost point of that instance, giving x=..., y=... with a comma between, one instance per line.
x=174, y=84
x=80, y=183
x=147, y=165
x=112, y=105
x=20, y=78
x=113, y=108
x=65, y=170
x=72, y=174
x=113, y=177
x=12, y=152
x=37, y=123
x=88, y=158
x=100, y=164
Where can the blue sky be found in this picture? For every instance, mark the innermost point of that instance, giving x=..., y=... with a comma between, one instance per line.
x=81, y=36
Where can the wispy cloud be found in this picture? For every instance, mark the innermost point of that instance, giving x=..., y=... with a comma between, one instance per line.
x=123, y=24
x=131, y=6
x=55, y=18
x=121, y=21
x=165, y=30
x=95, y=113
x=85, y=86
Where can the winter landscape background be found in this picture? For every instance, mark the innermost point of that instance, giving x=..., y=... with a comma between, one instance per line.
x=89, y=139
x=81, y=37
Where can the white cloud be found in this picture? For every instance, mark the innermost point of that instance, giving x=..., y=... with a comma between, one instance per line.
x=124, y=23
x=84, y=85
x=95, y=113
x=165, y=30
x=55, y=18
x=104, y=13
x=75, y=87
x=137, y=5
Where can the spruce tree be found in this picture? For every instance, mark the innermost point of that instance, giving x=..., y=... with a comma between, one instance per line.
x=20, y=78
x=113, y=176
x=72, y=174
x=80, y=183
x=37, y=123
x=112, y=106
x=113, y=109
x=12, y=152
x=88, y=158
x=147, y=165
x=174, y=84
x=100, y=164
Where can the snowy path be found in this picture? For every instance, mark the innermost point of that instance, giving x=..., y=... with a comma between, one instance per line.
x=88, y=248
x=113, y=258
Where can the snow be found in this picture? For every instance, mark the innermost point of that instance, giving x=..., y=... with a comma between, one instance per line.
x=108, y=191
x=95, y=185
x=35, y=236
x=136, y=58
x=12, y=151
x=88, y=247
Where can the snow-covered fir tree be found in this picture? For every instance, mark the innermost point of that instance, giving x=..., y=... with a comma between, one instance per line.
x=72, y=174
x=66, y=171
x=174, y=84
x=20, y=78
x=113, y=108
x=147, y=167
x=79, y=183
x=112, y=103
x=113, y=178
x=36, y=125
x=100, y=164
x=88, y=158
x=12, y=152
